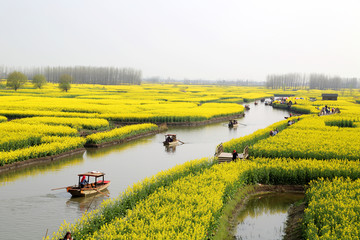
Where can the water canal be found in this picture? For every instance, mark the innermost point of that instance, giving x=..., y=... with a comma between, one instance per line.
x=29, y=208
x=264, y=216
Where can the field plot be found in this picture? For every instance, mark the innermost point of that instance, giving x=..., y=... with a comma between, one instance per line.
x=311, y=138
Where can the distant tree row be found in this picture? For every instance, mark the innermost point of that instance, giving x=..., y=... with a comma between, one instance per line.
x=204, y=82
x=312, y=81
x=80, y=74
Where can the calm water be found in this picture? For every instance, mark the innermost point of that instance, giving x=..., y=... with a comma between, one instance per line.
x=29, y=208
x=264, y=216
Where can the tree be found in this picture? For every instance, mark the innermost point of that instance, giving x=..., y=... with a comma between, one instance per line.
x=64, y=82
x=15, y=80
x=39, y=80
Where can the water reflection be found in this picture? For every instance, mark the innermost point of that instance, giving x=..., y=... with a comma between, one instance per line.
x=25, y=172
x=100, y=152
x=170, y=149
x=89, y=202
x=264, y=216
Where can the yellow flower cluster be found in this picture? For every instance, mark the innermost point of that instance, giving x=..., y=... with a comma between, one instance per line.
x=3, y=119
x=43, y=129
x=310, y=138
x=88, y=123
x=21, y=141
x=10, y=141
x=42, y=150
x=333, y=209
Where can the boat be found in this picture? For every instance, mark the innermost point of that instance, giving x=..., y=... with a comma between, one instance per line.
x=171, y=140
x=268, y=103
x=233, y=123
x=262, y=100
x=256, y=103
x=92, y=185
x=247, y=107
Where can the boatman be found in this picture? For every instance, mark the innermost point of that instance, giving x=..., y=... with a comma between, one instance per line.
x=83, y=181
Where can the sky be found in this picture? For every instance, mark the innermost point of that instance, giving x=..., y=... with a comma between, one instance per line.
x=197, y=39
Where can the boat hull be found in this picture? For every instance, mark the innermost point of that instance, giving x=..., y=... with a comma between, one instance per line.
x=170, y=143
x=87, y=191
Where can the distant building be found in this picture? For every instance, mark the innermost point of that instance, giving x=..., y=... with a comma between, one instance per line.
x=327, y=96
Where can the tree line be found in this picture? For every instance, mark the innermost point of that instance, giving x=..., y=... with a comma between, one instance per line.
x=311, y=81
x=237, y=82
x=80, y=74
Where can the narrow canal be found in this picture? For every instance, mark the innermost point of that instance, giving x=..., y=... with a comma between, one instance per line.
x=29, y=208
x=264, y=216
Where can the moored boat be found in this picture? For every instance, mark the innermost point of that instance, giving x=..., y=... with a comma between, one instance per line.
x=90, y=186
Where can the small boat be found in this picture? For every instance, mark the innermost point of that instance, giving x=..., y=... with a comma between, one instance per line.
x=170, y=140
x=233, y=123
x=256, y=103
x=268, y=103
x=262, y=100
x=92, y=185
x=247, y=107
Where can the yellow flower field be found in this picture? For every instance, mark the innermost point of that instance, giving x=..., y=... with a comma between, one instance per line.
x=188, y=202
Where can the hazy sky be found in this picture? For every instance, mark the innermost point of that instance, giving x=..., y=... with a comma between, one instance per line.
x=197, y=39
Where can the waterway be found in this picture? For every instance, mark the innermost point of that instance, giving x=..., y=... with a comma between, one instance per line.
x=264, y=216
x=29, y=208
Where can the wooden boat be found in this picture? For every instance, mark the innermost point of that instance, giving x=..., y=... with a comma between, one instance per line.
x=256, y=103
x=247, y=107
x=92, y=186
x=269, y=103
x=262, y=100
x=170, y=140
x=233, y=123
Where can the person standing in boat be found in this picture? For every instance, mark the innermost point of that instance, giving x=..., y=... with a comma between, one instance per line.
x=83, y=181
x=169, y=139
x=235, y=155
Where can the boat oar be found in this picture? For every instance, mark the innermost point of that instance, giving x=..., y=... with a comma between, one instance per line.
x=58, y=188
x=181, y=142
x=46, y=233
